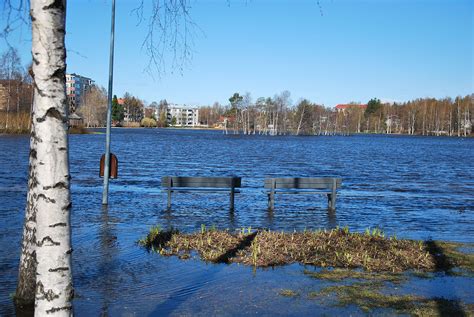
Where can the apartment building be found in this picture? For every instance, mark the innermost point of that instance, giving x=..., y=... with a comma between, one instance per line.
x=182, y=116
x=76, y=86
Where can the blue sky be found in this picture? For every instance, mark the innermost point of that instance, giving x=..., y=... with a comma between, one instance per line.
x=394, y=50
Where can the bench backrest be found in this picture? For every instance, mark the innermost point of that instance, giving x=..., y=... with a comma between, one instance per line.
x=215, y=182
x=303, y=182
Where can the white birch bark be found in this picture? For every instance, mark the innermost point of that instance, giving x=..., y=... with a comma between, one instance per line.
x=301, y=120
x=50, y=195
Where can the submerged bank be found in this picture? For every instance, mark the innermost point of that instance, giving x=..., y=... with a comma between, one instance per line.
x=367, y=270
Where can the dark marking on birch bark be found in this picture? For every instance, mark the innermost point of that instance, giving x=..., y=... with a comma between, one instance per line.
x=59, y=73
x=33, y=182
x=67, y=207
x=56, y=4
x=40, y=91
x=30, y=70
x=69, y=251
x=35, y=137
x=41, y=163
x=59, y=269
x=61, y=185
x=62, y=149
x=59, y=224
x=33, y=154
x=37, y=62
x=32, y=218
x=52, y=113
x=41, y=294
x=47, y=199
x=47, y=239
x=56, y=309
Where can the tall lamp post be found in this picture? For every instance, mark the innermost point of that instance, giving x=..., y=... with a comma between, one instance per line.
x=105, y=193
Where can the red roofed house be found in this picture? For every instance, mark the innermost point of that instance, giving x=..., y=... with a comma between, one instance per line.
x=344, y=107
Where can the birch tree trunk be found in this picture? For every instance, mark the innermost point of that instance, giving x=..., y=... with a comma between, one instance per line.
x=301, y=121
x=25, y=291
x=8, y=101
x=49, y=189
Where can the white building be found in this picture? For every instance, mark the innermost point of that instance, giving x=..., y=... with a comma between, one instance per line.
x=76, y=86
x=182, y=116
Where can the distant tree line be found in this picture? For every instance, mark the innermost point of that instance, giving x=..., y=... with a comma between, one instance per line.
x=275, y=115
x=16, y=93
x=278, y=116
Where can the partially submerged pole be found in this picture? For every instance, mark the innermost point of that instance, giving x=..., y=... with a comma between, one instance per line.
x=105, y=193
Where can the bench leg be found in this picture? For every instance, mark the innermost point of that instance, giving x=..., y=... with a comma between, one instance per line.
x=169, y=199
x=232, y=195
x=271, y=196
x=271, y=200
x=332, y=202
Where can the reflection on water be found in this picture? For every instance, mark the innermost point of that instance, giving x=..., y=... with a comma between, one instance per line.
x=412, y=186
x=107, y=283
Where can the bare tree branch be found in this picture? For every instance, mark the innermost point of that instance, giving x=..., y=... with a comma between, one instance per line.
x=15, y=14
x=170, y=34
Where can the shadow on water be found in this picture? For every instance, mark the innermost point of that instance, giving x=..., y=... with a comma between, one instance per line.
x=444, y=264
x=179, y=296
x=107, y=260
x=232, y=218
x=176, y=298
x=332, y=219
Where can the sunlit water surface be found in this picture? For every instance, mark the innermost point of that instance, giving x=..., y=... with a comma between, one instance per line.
x=414, y=187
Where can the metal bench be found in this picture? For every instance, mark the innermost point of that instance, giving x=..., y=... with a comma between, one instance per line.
x=203, y=184
x=307, y=185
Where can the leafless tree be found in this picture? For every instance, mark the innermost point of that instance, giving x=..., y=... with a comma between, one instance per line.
x=93, y=108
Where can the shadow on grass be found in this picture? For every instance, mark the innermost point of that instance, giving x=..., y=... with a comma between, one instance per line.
x=244, y=243
x=448, y=307
x=442, y=261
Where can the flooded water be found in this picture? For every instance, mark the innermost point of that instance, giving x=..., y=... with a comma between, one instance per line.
x=414, y=187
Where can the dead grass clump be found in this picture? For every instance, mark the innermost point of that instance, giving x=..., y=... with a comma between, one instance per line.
x=337, y=248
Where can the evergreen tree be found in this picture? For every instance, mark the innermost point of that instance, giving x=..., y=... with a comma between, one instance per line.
x=117, y=110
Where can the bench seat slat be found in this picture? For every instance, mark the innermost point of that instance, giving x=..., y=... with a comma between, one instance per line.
x=194, y=189
x=289, y=192
x=302, y=186
x=217, y=182
x=303, y=183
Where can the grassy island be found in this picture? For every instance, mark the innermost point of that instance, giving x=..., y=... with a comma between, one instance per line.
x=337, y=248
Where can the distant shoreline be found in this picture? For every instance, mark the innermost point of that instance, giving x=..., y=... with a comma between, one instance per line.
x=84, y=130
